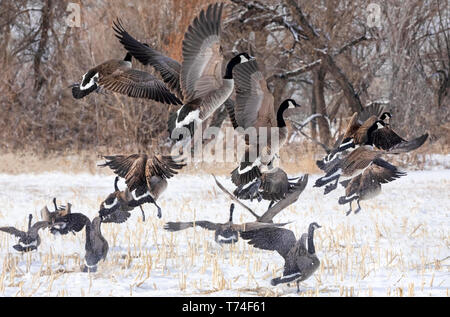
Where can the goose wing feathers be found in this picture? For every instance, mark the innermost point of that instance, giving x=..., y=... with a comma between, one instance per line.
x=136, y=168
x=168, y=68
x=14, y=231
x=138, y=84
x=177, y=226
x=275, y=239
x=254, y=102
x=201, y=70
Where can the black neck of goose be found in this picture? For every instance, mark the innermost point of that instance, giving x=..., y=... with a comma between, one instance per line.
x=231, y=213
x=128, y=57
x=229, y=70
x=116, y=188
x=30, y=216
x=311, y=249
x=280, y=120
x=54, y=204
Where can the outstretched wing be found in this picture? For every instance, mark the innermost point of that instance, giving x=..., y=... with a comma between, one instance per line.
x=138, y=84
x=132, y=168
x=201, y=70
x=177, y=226
x=164, y=166
x=275, y=239
x=253, y=99
x=168, y=68
x=13, y=231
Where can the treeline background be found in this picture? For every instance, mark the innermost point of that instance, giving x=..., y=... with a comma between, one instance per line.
x=327, y=54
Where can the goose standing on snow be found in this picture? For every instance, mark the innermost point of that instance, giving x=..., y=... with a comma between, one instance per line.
x=145, y=176
x=300, y=260
x=96, y=246
x=29, y=240
x=117, y=76
x=255, y=109
x=198, y=80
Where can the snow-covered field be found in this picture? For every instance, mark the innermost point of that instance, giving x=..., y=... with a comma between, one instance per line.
x=398, y=245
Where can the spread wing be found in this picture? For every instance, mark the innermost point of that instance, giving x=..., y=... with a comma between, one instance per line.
x=164, y=166
x=118, y=216
x=385, y=138
x=132, y=168
x=177, y=226
x=168, y=68
x=138, y=84
x=14, y=231
x=201, y=70
x=288, y=200
x=253, y=99
x=275, y=239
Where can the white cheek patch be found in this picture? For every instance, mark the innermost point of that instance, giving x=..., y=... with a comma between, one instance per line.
x=379, y=125
x=90, y=83
x=291, y=105
x=244, y=59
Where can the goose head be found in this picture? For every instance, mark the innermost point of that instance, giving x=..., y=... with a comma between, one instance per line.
x=238, y=59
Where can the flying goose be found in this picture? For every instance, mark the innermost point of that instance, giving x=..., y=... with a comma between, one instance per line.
x=119, y=200
x=255, y=110
x=300, y=261
x=273, y=186
x=198, y=80
x=118, y=76
x=224, y=232
x=358, y=160
x=274, y=210
x=29, y=240
x=367, y=185
x=145, y=176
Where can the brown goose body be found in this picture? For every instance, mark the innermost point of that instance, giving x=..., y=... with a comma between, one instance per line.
x=96, y=246
x=255, y=117
x=145, y=176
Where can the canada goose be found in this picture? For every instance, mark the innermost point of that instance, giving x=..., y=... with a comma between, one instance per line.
x=118, y=76
x=145, y=176
x=119, y=200
x=225, y=233
x=360, y=159
x=255, y=109
x=198, y=80
x=375, y=131
x=273, y=186
x=300, y=262
x=368, y=184
x=29, y=240
x=96, y=246
x=72, y=222
x=274, y=210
